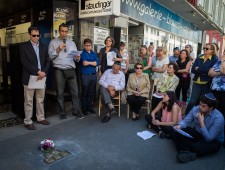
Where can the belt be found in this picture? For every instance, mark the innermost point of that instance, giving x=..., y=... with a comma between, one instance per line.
x=60, y=69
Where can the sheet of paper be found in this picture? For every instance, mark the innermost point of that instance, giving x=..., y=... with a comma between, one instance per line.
x=110, y=56
x=36, y=84
x=145, y=134
x=71, y=54
x=183, y=133
x=157, y=96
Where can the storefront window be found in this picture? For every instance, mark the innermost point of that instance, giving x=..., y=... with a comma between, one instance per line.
x=63, y=15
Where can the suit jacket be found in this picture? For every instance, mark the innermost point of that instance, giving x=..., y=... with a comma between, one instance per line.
x=29, y=60
x=143, y=84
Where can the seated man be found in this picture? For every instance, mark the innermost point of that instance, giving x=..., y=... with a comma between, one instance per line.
x=207, y=133
x=112, y=80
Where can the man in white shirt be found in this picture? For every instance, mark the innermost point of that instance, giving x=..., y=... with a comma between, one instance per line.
x=112, y=81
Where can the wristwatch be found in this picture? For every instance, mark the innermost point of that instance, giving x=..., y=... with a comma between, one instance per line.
x=222, y=60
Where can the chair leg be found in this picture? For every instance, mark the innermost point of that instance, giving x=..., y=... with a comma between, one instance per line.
x=128, y=111
x=119, y=109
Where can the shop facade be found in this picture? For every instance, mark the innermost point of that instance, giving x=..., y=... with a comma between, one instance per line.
x=140, y=22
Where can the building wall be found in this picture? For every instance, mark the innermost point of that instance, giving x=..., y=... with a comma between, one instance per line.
x=215, y=37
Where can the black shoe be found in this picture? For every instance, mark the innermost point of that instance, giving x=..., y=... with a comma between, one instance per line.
x=78, y=115
x=63, y=116
x=112, y=111
x=92, y=112
x=106, y=119
x=186, y=156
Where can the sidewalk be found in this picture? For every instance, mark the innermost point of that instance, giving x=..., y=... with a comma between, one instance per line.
x=94, y=145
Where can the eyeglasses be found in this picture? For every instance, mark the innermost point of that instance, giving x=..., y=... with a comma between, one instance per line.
x=158, y=50
x=205, y=48
x=187, y=47
x=35, y=35
x=137, y=68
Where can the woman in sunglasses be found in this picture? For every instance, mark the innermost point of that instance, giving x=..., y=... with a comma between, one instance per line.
x=138, y=87
x=171, y=115
x=201, y=80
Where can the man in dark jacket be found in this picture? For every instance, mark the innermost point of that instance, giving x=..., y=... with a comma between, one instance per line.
x=35, y=61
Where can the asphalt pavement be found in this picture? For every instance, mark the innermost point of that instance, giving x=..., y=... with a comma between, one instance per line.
x=94, y=145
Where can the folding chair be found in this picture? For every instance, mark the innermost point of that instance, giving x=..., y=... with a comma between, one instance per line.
x=116, y=103
x=148, y=102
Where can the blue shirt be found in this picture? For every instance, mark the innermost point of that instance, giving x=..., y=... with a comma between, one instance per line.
x=36, y=49
x=214, y=124
x=173, y=59
x=90, y=57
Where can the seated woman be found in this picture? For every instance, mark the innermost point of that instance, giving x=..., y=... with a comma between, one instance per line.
x=138, y=87
x=171, y=115
x=168, y=82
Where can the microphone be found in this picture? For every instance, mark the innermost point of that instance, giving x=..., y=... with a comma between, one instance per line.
x=64, y=41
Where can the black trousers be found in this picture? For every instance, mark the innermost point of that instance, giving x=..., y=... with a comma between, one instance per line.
x=135, y=102
x=197, y=144
x=183, y=85
x=155, y=102
x=165, y=129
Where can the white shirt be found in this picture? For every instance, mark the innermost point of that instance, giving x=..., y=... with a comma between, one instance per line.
x=116, y=80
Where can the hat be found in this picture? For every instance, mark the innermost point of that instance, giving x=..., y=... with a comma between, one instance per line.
x=210, y=96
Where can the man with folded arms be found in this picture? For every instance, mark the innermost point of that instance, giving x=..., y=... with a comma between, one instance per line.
x=112, y=81
x=207, y=133
x=35, y=60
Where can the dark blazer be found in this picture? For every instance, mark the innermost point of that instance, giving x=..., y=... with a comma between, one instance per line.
x=29, y=60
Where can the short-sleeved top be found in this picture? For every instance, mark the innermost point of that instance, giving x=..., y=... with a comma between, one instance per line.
x=181, y=66
x=159, y=64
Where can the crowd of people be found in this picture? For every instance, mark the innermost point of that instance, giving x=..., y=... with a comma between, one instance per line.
x=202, y=77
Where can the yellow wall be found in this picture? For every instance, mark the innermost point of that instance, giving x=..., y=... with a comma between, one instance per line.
x=21, y=34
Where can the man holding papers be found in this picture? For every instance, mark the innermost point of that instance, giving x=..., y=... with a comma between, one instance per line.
x=35, y=61
x=61, y=52
x=206, y=136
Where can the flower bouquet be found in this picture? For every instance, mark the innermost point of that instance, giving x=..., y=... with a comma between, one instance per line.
x=47, y=145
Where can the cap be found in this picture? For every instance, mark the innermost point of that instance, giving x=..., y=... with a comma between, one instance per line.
x=210, y=96
x=176, y=48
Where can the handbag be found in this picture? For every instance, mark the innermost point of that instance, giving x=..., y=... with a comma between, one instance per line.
x=69, y=74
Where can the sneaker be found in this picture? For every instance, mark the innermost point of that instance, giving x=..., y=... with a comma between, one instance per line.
x=78, y=115
x=186, y=156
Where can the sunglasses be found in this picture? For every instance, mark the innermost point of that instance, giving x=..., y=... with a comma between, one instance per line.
x=35, y=35
x=139, y=68
x=206, y=48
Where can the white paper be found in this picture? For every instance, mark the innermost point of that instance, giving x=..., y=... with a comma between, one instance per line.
x=157, y=96
x=183, y=133
x=110, y=56
x=145, y=134
x=34, y=83
x=71, y=54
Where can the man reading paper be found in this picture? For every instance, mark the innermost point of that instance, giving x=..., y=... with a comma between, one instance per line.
x=207, y=133
x=35, y=61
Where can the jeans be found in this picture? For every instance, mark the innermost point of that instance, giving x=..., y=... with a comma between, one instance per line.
x=60, y=86
x=88, y=91
x=197, y=91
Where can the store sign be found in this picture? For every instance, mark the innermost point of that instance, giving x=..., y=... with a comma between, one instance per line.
x=93, y=8
x=150, y=12
x=100, y=35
